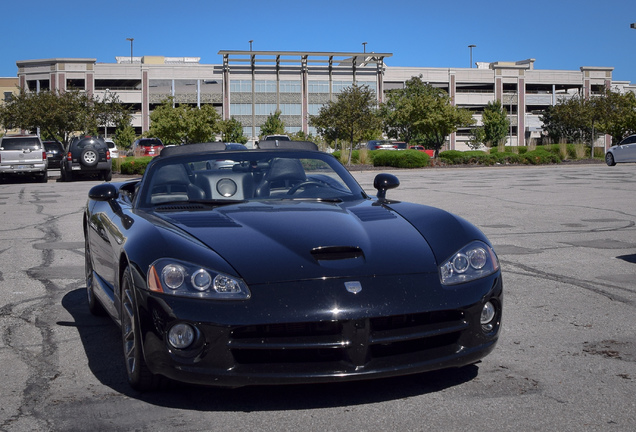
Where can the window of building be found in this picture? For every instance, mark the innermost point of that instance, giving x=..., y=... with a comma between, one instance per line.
x=265, y=86
x=339, y=86
x=264, y=109
x=314, y=109
x=318, y=86
x=241, y=86
x=237, y=109
x=290, y=109
x=74, y=84
x=290, y=86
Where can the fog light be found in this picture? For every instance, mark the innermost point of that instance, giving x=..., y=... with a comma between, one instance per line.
x=181, y=335
x=487, y=315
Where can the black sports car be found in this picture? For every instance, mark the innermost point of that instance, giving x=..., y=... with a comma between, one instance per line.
x=272, y=266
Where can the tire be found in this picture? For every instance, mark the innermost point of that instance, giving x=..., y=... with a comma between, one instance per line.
x=139, y=376
x=94, y=306
x=609, y=159
x=68, y=176
x=89, y=157
x=107, y=175
x=44, y=178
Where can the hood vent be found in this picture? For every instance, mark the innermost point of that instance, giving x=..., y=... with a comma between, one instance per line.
x=204, y=220
x=370, y=214
x=335, y=253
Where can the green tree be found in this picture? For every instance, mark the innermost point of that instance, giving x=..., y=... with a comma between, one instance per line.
x=496, y=123
x=477, y=138
x=59, y=115
x=617, y=114
x=422, y=114
x=232, y=131
x=352, y=117
x=124, y=137
x=575, y=119
x=273, y=125
x=183, y=124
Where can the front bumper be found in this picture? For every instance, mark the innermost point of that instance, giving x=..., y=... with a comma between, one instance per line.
x=315, y=331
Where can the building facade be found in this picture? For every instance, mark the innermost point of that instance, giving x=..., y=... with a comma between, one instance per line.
x=251, y=85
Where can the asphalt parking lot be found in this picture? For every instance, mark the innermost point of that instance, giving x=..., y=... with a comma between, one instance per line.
x=566, y=360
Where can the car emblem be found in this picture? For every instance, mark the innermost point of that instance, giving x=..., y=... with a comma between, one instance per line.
x=353, y=287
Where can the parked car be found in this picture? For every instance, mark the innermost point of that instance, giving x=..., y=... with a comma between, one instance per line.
x=380, y=145
x=85, y=156
x=147, y=147
x=54, y=153
x=23, y=155
x=114, y=151
x=283, y=270
x=431, y=153
x=624, y=151
x=386, y=145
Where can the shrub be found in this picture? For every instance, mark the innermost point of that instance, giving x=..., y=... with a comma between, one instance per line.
x=135, y=165
x=540, y=156
x=400, y=159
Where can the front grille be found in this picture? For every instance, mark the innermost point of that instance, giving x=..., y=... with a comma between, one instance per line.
x=354, y=342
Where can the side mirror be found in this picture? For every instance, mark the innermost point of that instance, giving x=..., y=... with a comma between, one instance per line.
x=384, y=182
x=103, y=192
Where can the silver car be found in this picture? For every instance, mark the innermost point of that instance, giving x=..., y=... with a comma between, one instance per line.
x=624, y=151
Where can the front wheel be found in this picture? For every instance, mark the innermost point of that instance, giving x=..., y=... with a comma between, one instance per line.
x=609, y=159
x=94, y=306
x=139, y=376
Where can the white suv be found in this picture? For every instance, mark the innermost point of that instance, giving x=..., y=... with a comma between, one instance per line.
x=23, y=155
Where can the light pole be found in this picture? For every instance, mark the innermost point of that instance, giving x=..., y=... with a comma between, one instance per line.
x=131, y=48
x=364, y=44
x=471, y=54
x=251, y=44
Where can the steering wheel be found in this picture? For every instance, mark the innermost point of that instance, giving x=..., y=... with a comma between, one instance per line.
x=304, y=185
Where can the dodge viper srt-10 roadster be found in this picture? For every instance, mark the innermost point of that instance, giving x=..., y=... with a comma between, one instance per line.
x=225, y=266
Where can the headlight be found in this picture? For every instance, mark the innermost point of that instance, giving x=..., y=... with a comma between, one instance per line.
x=472, y=262
x=188, y=280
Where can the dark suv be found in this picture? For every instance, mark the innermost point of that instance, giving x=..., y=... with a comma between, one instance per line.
x=87, y=155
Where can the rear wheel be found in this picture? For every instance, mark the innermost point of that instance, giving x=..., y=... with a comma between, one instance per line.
x=44, y=177
x=107, y=175
x=139, y=376
x=609, y=159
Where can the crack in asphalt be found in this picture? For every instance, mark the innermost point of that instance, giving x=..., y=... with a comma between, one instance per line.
x=42, y=363
x=527, y=270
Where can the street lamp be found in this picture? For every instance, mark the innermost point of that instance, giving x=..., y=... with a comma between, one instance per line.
x=364, y=44
x=471, y=54
x=251, y=44
x=632, y=25
x=131, y=48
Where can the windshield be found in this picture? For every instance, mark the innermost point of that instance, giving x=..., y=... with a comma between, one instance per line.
x=229, y=177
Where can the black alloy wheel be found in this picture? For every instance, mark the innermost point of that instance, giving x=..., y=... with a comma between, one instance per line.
x=94, y=306
x=139, y=376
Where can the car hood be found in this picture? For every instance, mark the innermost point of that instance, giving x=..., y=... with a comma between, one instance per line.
x=269, y=242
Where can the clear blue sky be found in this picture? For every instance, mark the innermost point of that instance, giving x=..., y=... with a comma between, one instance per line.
x=559, y=34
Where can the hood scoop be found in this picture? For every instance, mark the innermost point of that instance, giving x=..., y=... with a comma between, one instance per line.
x=337, y=256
